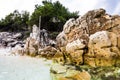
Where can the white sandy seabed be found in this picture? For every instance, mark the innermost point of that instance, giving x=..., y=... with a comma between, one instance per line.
x=23, y=67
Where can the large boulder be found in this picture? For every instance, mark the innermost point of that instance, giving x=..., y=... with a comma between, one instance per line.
x=47, y=52
x=102, y=49
x=58, y=69
x=77, y=76
x=60, y=72
x=75, y=45
x=31, y=46
x=85, y=28
x=75, y=51
x=90, y=23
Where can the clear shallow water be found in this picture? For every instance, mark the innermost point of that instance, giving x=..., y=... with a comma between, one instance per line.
x=23, y=68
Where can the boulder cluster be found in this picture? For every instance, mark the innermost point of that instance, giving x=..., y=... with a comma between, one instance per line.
x=92, y=39
x=8, y=39
x=37, y=44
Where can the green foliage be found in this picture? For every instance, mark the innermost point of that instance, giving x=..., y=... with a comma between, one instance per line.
x=52, y=14
x=53, y=35
x=15, y=21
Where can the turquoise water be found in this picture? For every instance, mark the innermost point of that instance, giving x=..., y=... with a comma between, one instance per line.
x=24, y=68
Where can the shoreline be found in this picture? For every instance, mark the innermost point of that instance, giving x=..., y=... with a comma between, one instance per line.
x=24, y=68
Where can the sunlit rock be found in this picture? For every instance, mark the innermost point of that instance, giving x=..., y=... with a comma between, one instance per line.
x=99, y=33
x=61, y=39
x=17, y=50
x=58, y=69
x=75, y=51
x=103, y=50
x=38, y=43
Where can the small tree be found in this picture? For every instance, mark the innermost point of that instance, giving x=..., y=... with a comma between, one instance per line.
x=53, y=14
x=15, y=21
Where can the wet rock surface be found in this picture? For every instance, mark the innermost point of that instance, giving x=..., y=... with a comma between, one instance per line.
x=84, y=72
x=60, y=72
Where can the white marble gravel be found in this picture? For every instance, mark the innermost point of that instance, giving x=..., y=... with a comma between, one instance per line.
x=23, y=68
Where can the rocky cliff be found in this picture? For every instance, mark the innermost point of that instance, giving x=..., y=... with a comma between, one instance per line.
x=92, y=39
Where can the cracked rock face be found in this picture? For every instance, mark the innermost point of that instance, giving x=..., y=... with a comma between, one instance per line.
x=100, y=34
x=103, y=50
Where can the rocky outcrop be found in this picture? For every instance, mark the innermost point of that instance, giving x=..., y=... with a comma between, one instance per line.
x=60, y=72
x=10, y=39
x=75, y=51
x=77, y=76
x=58, y=69
x=36, y=44
x=39, y=44
x=32, y=42
x=91, y=22
x=47, y=52
x=82, y=42
x=61, y=39
x=31, y=46
x=102, y=49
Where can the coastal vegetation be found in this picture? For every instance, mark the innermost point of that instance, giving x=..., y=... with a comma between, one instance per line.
x=53, y=16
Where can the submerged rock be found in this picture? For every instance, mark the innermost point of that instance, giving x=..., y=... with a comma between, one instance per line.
x=60, y=72
x=58, y=69
x=77, y=76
